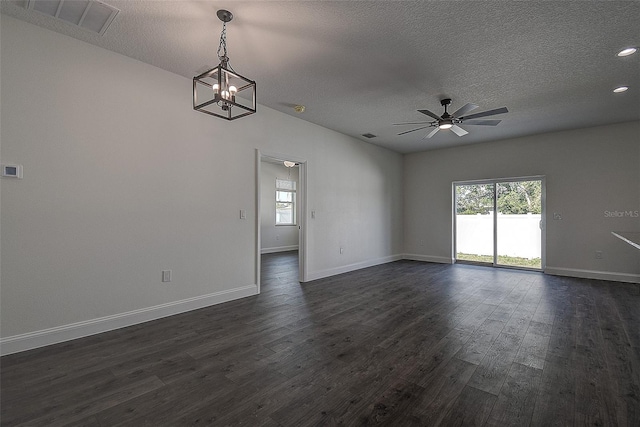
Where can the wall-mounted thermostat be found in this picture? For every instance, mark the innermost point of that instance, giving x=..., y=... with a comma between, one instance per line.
x=12, y=171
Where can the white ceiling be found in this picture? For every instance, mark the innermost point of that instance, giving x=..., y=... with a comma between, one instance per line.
x=360, y=66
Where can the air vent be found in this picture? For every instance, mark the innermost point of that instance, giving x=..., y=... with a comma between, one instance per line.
x=369, y=135
x=91, y=15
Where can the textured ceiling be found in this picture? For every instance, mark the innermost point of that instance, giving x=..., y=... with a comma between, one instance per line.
x=360, y=66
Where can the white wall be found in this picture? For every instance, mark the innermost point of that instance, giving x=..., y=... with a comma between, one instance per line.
x=122, y=179
x=275, y=238
x=588, y=171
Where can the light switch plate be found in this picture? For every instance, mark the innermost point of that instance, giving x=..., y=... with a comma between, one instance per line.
x=166, y=275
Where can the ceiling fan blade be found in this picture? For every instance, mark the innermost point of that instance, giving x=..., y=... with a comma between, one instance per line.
x=486, y=113
x=429, y=113
x=410, y=123
x=458, y=130
x=413, y=130
x=464, y=110
x=430, y=134
x=482, y=122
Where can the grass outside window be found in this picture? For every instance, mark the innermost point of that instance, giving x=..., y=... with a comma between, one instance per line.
x=502, y=260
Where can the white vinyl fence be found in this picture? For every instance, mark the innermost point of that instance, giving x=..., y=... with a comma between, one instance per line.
x=518, y=235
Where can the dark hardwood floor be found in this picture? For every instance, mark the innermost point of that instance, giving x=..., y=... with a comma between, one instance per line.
x=403, y=344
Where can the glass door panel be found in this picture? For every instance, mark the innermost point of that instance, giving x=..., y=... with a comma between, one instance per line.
x=474, y=222
x=519, y=237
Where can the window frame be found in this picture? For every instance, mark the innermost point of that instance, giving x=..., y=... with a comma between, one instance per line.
x=292, y=203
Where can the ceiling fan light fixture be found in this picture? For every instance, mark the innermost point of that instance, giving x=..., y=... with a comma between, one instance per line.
x=221, y=92
x=627, y=51
x=445, y=124
x=620, y=89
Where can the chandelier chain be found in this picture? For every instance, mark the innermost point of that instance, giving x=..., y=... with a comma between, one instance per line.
x=222, y=48
x=223, y=43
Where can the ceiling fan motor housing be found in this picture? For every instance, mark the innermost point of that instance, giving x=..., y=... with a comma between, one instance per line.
x=445, y=103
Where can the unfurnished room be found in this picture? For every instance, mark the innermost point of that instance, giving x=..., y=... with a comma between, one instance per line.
x=297, y=213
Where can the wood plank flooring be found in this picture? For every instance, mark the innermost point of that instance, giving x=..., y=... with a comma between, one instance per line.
x=403, y=344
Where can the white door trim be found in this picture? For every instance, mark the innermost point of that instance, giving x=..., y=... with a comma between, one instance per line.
x=302, y=217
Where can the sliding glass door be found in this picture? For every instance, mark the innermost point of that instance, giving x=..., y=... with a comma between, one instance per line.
x=474, y=210
x=499, y=222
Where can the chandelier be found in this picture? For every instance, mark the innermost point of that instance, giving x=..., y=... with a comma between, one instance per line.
x=222, y=92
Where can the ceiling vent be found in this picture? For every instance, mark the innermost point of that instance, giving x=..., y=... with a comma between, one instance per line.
x=91, y=15
x=369, y=135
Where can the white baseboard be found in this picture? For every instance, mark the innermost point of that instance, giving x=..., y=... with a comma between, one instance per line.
x=352, y=267
x=428, y=258
x=31, y=340
x=557, y=271
x=593, y=274
x=279, y=249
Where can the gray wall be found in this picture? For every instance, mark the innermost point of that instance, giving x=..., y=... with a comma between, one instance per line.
x=588, y=171
x=122, y=179
x=275, y=238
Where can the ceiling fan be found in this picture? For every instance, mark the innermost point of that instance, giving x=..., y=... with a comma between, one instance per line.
x=451, y=121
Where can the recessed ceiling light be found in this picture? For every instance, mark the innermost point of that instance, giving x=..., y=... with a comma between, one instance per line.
x=620, y=89
x=628, y=51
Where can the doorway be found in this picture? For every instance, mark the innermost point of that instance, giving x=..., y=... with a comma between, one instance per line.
x=281, y=187
x=500, y=222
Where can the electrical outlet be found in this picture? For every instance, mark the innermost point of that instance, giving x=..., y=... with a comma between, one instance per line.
x=557, y=216
x=166, y=275
x=598, y=254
